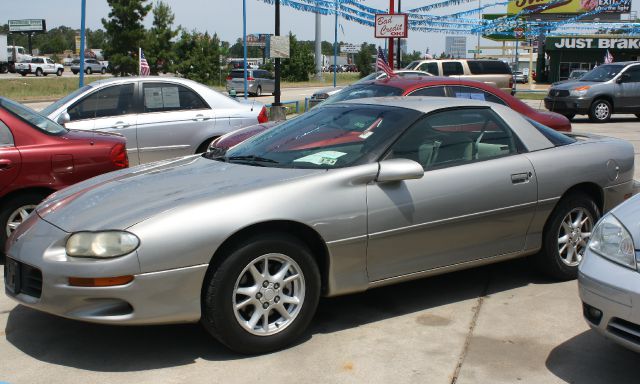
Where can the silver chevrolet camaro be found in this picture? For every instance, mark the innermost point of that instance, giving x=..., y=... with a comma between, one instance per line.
x=609, y=281
x=344, y=198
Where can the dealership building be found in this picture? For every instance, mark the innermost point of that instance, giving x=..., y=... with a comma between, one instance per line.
x=567, y=53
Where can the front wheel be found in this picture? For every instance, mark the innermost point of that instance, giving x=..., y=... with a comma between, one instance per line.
x=566, y=235
x=14, y=211
x=600, y=111
x=263, y=295
x=103, y=70
x=59, y=72
x=89, y=71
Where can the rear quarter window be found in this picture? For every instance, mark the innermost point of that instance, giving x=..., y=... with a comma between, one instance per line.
x=556, y=138
x=485, y=67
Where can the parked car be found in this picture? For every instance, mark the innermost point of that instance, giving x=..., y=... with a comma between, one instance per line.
x=431, y=86
x=161, y=117
x=492, y=72
x=259, y=81
x=520, y=77
x=39, y=66
x=324, y=93
x=90, y=66
x=38, y=157
x=351, y=196
x=609, y=282
x=605, y=90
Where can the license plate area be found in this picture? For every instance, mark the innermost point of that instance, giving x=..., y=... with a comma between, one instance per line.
x=12, y=276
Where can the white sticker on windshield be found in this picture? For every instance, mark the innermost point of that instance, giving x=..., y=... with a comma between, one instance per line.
x=322, y=158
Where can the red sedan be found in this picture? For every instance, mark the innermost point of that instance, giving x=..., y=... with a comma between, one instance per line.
x=39, y=157
x=416, y=86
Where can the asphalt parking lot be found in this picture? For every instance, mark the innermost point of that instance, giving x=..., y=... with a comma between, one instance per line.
x=497, y=324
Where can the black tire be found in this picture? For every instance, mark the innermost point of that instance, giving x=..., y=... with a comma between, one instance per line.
x=103, y=70
x=549, y=260
x=638, y=115
x=59, y=72
x=38, y=72
x=23, y=74
x=218, y=295
x=89, y=71
x=8, y=210
x=205, y=145
x=600, y=111
x=569, y=116
x=259, y=91
x=75, y=72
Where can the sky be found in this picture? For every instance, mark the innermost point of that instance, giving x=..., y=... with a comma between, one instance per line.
x=224, y=17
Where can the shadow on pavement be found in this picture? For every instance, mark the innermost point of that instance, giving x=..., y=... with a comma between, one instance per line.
x=584, y=119
x=106, y=348
x=590, y=358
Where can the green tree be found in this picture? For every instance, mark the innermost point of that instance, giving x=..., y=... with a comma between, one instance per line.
x=96, y=39
x=159, y=48
x=300, y=62
x=364, y=59
x=199, y=57
x=125, y=33
x=408, y=58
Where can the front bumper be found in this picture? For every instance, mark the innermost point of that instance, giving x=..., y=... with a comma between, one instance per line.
x=567, y=105
x=171, y=296
x=610, y=294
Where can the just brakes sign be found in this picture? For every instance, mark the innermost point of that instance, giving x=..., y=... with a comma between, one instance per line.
x=584, y=42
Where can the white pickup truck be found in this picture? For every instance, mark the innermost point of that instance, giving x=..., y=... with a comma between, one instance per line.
x=40, y=66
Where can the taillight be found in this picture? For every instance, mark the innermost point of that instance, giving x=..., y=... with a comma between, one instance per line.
x=262, y=117
x=229, y=77
x=250, y=78
x=118, y=156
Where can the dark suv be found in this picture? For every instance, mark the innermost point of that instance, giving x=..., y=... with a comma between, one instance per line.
x=607, y=89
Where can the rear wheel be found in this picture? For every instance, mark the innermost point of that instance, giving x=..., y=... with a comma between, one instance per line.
x=259, y=91
x=262, y=296
x=600, y=111
x=89, y=71
x=14, y=211
x=38, y=72
x=566, y=234
x=103, y=70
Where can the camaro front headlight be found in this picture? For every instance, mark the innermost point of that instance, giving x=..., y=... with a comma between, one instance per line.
x=610, y=239
x=580, y=91
x=101, y=244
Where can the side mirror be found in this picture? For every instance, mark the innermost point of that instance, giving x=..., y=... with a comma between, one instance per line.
x=398, y=170
x=623, y=78
x=64, y=118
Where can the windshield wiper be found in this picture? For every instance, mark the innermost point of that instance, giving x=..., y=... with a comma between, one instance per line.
x=253, y=159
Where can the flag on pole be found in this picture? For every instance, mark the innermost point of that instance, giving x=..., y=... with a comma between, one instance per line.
x=144, y=66
x=381, y=64
x=608, y=58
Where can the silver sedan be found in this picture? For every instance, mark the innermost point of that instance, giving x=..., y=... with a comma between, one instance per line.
x=345, y=198
x=161, y=117
x=609, y=280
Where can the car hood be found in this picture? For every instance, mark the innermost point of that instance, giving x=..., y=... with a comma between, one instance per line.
x=571, y=84
x=230, y=139
x=121, y=199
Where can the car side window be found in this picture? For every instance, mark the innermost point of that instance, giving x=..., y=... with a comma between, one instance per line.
x=454, y=137
x=429, y=91
x=450, y=68
x=633, y=74
x=112, y=101
x=462, y=92
x=6, y=137
x=49, y=61
x=162, y=97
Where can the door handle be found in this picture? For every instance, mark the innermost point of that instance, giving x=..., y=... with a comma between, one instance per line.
x=200, y=117
x=5, y=164
x=121, y=124
x=521, y=178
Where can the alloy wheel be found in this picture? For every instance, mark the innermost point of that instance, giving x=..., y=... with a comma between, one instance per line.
x=573, y=236
x=17, y=217
x=601, y=111
x=268, y=294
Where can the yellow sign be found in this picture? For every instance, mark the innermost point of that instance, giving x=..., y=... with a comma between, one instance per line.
x=565, y=6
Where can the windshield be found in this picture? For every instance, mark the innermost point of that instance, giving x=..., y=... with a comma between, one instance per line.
x=327, y=137
x=362, y=91
x=412, y=65
x=603, y=73
x=52, y=107
x=32, y=117
x=371, y=76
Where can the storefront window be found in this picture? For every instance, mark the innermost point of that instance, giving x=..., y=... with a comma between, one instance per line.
x=567, y=67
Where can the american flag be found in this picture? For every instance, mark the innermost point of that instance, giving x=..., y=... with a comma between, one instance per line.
x=144, y=66
x=381, y=63
x=608, y=58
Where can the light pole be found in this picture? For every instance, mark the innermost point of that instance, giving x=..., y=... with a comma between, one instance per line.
x=335, y=48
x=83, y=10
x=244, y=45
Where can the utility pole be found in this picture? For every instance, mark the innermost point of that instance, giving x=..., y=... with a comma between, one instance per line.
x=276, y=101
x=244, y=46
x=390, y=58
x=83, y=10
x=399, y=39
x=318, y=46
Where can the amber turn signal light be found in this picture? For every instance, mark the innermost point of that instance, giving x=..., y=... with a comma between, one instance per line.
x=100, y=281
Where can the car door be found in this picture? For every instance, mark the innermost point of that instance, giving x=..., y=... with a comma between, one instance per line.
x=475, y=200
x=629, y=90
x=112, y=109
x=174, y=121
x=50, y=66
x=10, y=158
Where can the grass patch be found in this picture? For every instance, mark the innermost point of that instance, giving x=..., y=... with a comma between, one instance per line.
x=50, y=88
x=531, y=95
x=344, y=78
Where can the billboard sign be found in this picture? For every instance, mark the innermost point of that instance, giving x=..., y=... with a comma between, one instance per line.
x=394, y=25
x=567, y=6
x=509, y=33
x=259, y=40
x=27, y=25
x=557, y=43
x=278, y=47
x=349, y=48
